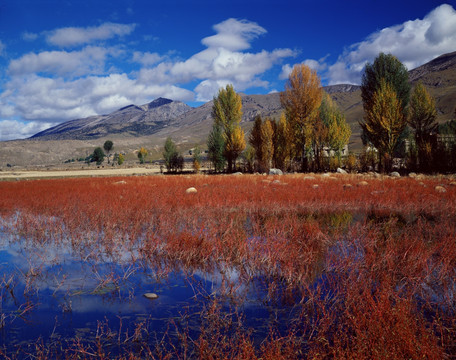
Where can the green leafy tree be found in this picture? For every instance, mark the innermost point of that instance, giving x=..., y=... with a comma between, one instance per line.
x=107, y=146
x=389, y=69
x=170, y=154
x=98, y=155
x=422, y=119
x=142, y=153
x=177, y=162
x=301, y=100
x=384, y=122
x=227, y=112
x=216, y=147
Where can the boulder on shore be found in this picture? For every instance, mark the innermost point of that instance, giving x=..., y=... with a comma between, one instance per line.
x=275, y=172
x=341, y=171
x=151, y=296
x=440, y=189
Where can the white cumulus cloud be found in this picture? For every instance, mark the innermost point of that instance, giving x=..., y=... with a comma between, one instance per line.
x=414, y=43
x=317, y=65
x=55, y=86
x=28, y=36
x=234, y=35
x=146, y=58
x=74, y=36
x=89, y=60
x=44, y=99
x=13, y=129
x=223, y=61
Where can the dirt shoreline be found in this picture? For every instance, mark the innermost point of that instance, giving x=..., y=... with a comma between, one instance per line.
x=42, y=174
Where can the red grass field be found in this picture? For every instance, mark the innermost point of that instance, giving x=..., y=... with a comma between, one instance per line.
x=369, y=269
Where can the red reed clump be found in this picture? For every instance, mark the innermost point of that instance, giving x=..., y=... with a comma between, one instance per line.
x=371, y=268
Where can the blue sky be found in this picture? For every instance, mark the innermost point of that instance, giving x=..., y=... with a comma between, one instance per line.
x=66, y=59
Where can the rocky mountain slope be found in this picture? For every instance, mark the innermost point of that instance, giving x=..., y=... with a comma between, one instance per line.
x=131, y=120
x=165, y=117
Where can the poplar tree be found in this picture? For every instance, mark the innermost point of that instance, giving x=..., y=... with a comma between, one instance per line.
x=384, y=122
x=283, y=147
x=421, y=119
x=227, y=112
x=216, y=147
x=389, y=69
x=301, y=100
x=339, y=131
x=255, y=139
x=267, y=144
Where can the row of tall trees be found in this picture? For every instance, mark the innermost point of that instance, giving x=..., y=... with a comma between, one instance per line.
x=310, y=123
x=391, y=108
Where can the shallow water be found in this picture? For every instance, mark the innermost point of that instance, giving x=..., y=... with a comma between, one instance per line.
x=52, y=292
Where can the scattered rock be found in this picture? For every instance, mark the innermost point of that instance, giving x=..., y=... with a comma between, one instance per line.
x=309, y=178
x=278, y=182
x=341, y=171
x=440, y=189
x=151, y=296
x=121, y=182
x=422, y=183
x=412, y=175
x=237, y=173
x=275, y=172
x=326, y=175
x=191, y=190
x=363, y=183
x=315, y=186
x=348, y=186
x=395, y=174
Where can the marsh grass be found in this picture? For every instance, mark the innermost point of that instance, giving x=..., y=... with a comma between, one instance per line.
x=275, y=272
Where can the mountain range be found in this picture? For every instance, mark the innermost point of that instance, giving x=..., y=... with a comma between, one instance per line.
x=151, y=123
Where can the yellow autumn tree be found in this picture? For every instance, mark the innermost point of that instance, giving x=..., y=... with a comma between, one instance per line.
x=142, y=153
x=283, y=147
x=227, y=112
x=384, y=122
x=235, y=144
x=422, y=119
x=338, y=130
x=267, y=144
x=301, y=100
